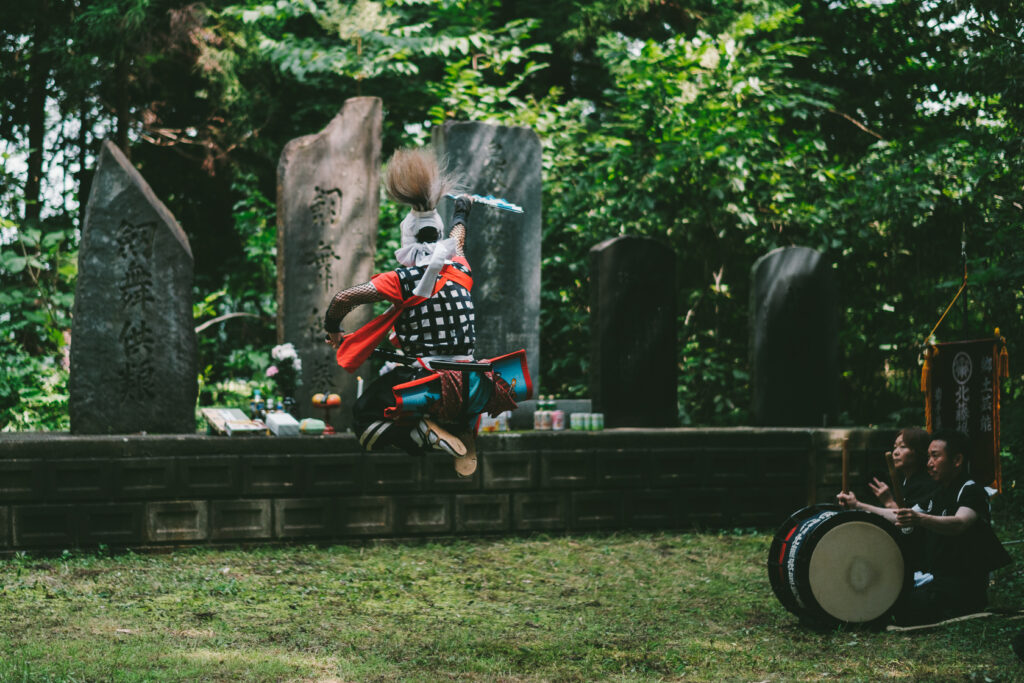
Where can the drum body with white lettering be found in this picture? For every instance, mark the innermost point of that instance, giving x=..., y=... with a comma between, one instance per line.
x=831, y=565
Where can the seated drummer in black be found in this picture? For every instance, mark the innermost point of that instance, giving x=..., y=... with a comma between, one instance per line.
x=959, y=546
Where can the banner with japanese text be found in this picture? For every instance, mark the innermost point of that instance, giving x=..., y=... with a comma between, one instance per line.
x=965, y=396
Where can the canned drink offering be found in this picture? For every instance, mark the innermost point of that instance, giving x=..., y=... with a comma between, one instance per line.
x=557, y=420
x=598, y=421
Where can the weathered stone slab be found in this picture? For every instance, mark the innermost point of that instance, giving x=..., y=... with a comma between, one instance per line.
x=240, y=519
x=633, y=332
x=134, y=359
x=621, y=468
x=650, y=509
x=596, y=510
x=392, y=472
x=78, y=479
x=440, y=475
x=44, y=525
x=303, y=517
x=331, y=474
x=503, y=248
x=794, y=340
x=483, y=512
x=426, y=514
x=272, y=475
x=145, y=478
x=114, y=523
x=209, y=475
x=682, y=468
x=568, y=469
x=328, y=189
x=515, y=470
x=22, y=480
x=366, y=516
x=186, y=520
x=540, y=511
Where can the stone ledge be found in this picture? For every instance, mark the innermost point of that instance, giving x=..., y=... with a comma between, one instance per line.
x=59, y=491
x=51, y=444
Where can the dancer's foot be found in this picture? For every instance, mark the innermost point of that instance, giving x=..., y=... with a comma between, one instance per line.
x=465, y=465
x=429, y=434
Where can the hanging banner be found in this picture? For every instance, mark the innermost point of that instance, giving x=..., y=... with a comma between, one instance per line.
x=964, y=395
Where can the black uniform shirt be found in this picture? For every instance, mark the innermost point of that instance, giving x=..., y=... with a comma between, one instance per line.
x=917, y=489
x=971, y=554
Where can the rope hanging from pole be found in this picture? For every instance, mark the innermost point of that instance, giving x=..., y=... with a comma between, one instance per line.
x=929, y=350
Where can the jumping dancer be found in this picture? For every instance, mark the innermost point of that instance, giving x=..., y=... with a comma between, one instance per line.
x=417, y=408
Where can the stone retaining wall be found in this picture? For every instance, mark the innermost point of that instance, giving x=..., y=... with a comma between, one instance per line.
x=59, y=491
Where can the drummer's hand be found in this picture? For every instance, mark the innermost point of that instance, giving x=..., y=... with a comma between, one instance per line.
x=881, y=491
x=847, y=500
x=334, y=338
x=907, y=517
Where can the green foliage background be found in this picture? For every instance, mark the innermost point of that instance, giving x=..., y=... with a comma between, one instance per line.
x=882, y=134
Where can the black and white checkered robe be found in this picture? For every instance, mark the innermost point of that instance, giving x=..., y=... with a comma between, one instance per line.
x=444, y=324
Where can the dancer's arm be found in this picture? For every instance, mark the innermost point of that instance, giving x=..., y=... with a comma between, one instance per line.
x=343, y=303
x=460, y=222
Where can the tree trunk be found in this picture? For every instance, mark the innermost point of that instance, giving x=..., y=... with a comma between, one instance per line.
x=84, y=175
x=121, y=106
x=39, y=75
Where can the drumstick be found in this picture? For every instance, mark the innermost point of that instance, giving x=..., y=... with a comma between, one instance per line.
x=846, y=465
x=894, y=477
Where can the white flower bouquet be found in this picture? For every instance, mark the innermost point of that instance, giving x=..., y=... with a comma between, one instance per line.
x=285, y=369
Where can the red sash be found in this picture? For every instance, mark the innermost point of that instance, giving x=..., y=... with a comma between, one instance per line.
x=356, y=347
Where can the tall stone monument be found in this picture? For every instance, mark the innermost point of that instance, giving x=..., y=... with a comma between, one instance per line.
x=633, y=356
x=503, y=248
x=794, y=344
x=134, y=362
x=328, y=197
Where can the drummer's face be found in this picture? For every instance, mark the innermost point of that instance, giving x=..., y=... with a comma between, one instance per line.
x=902, y=457
x=941, y=467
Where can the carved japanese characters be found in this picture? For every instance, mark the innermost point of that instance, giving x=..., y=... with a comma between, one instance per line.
x=504, y=248
x=328, y=188
x=133, y=346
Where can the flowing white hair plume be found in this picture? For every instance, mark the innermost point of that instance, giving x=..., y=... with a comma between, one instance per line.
x=414, y=178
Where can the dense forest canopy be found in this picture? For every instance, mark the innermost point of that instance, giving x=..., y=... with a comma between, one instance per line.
x=888, y=135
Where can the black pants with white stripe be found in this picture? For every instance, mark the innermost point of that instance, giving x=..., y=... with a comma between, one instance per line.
x=372, y=429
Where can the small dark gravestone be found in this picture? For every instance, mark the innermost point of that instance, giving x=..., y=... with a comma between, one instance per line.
x=328, y=197
x=503, y=248
x=133, y=344
x=794, y=347
x=633, y=332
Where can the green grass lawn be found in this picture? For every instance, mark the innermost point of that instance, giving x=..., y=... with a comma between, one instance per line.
x=667, y=606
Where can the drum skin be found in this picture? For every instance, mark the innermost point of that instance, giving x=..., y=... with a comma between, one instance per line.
x=832, y=566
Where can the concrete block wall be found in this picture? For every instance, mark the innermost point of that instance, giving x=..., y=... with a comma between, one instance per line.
x=59, y=491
